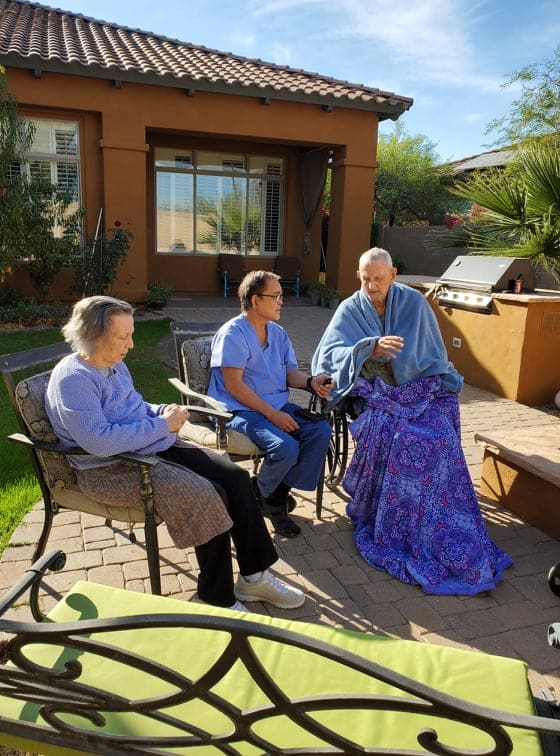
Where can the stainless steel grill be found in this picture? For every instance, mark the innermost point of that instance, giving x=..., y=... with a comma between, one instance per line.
x=471, y=280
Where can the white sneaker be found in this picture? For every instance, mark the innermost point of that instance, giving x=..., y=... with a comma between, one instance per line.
x=269, y=588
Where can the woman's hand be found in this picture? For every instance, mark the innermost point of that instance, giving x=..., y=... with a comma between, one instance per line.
x=176, y=416
x=388, y=346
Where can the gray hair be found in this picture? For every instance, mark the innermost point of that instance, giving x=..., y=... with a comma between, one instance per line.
x=373, y=255
x=89, y=319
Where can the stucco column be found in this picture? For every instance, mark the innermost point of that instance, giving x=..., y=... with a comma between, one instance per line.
x=123, y=148
x=352, y=191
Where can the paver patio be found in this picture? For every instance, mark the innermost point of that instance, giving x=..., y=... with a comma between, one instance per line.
x=342, y=590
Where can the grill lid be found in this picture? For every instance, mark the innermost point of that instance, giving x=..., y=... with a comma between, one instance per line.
x=487, y=273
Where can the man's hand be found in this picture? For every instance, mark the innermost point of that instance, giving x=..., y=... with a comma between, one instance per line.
x=388, y=346
x=176, y=416
x=322, y=385
x=283, y=421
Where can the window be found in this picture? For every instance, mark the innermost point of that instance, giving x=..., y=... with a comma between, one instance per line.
x=54, y=156
x=211, y=202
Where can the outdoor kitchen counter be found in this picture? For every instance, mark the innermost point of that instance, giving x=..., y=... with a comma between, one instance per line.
x=427, y=282
x=530, y=296
x=512, y=349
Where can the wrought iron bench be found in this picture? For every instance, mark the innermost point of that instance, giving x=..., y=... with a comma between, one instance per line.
x=232, y=270
x=166, y=677
x=289, y=270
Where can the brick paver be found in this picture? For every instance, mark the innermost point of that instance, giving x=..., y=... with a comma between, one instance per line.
x=342, y=590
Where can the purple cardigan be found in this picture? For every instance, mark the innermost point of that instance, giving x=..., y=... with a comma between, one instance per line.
x=104, y=414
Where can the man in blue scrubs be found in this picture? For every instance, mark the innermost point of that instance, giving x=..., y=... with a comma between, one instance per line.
x=253, y=368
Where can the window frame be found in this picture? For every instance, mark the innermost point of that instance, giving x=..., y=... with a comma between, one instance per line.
x=227, y=168
x=54, y=159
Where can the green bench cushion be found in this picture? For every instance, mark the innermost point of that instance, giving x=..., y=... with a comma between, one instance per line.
x=493, y=681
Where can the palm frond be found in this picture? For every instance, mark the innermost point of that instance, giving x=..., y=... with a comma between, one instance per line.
x=480, y=237
x=541, y=168
x=502, y=196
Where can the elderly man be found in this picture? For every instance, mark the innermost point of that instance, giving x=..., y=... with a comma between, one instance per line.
x=413, y=503
x=253, y=368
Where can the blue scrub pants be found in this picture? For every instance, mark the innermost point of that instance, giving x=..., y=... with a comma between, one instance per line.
x=295, y=459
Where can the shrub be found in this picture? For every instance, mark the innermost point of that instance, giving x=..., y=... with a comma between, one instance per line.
x=96, y=269
x=31, y=312
x=158, y=294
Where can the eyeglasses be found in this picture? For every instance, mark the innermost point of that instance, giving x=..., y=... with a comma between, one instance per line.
x=277, y=297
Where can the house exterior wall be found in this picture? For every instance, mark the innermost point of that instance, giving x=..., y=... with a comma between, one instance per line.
x=120, y=126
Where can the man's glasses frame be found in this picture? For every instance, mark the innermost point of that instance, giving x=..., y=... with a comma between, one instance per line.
x=277, y=297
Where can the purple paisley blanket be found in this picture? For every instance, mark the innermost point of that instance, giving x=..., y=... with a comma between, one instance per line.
x=413, y=503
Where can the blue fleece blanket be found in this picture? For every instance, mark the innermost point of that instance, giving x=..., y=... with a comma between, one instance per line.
x=355, y=328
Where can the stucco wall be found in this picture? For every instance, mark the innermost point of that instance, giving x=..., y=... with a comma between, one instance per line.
x=122, y=123
x=407, y=245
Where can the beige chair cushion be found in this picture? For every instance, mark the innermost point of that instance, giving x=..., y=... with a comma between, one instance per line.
x=204, y=433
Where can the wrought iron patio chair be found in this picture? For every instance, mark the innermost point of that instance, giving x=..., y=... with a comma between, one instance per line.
x=209, y=429
x=57, y=480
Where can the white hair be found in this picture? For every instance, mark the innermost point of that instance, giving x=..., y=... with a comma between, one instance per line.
x=89, y=319
x=373, y=255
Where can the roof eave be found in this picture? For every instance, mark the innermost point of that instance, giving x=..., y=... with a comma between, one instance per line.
x=385, y=109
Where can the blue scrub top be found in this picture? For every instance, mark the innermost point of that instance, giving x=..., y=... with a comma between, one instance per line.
x=264, y=367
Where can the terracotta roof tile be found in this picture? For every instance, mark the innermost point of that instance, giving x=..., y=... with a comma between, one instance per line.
x=38, y=36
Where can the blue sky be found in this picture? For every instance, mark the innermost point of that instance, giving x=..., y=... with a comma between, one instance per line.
x=451, y=56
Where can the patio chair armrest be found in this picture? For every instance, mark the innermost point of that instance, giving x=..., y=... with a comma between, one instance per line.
x=139, y=458
x=212, y=406
x=46, y=446
x=30, y=580
x=74, y=451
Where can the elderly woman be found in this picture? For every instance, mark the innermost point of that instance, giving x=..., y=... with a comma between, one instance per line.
x=413, y=504
x=202, y=497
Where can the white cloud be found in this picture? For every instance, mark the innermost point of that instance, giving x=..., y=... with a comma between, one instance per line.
x=474, y=117
x=427, y=40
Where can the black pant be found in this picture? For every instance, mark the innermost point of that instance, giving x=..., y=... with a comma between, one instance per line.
x=253, y=545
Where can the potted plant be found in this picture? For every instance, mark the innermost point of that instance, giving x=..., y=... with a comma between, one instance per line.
x=314, y=290
x=326, y=295
x=158, y=295
x=334, y=299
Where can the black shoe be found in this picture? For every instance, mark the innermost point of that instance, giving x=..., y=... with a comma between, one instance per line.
x=284, y=526
x=291, y=501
